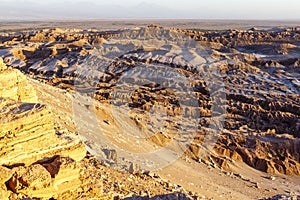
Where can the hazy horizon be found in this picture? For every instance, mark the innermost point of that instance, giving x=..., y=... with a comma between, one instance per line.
x=149, y=9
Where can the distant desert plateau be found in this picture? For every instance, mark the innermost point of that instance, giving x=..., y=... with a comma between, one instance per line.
x=112, y=24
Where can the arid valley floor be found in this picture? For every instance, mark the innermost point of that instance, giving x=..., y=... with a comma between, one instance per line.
x=127, y=110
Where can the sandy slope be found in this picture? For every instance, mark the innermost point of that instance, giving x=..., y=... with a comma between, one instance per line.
x=244, y=183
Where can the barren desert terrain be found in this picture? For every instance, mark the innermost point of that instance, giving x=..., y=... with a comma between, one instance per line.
x=129, y=110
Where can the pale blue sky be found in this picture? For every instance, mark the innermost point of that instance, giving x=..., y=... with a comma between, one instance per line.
x=197, y=9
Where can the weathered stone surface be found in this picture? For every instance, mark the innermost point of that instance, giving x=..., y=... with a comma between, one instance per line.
x=50, y=180
x=34, y=177
x=4, y=193
x=28, y=135
x=2, y=65
x=5, y=174
x=13, y=85
x=65, y=172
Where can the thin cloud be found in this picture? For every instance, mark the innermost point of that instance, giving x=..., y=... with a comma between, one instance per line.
x=197, y=9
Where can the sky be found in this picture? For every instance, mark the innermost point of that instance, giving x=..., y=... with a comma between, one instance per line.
x=169, y=9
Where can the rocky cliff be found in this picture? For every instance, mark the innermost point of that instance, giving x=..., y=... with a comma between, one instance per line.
x=38, y=162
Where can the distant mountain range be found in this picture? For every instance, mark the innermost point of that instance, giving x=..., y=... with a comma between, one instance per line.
x=82, y=9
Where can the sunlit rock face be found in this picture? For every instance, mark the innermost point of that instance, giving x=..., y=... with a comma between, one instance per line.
x=13, y=85
x=27, y=136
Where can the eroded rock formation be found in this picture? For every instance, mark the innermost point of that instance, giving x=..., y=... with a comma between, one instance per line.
x=37, y=162
x=260, y=71
x=27, y=137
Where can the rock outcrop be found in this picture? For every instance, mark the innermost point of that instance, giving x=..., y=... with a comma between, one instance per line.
x=13, y=85
x=27, y=137
x=46, y=180
x=38, y=163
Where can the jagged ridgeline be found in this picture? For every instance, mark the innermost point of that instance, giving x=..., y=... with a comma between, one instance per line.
x=231, y=96
x=262, y=89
